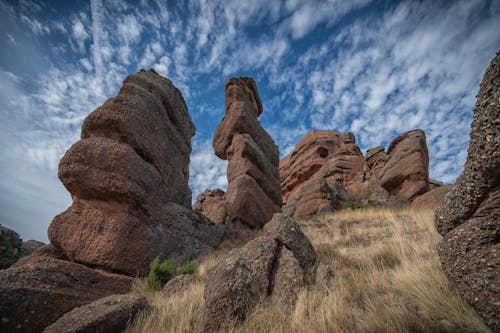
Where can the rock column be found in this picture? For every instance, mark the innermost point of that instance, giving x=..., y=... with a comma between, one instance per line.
x=253, y=194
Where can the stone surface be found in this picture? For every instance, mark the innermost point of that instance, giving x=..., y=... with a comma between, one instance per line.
x=177, y=285
x=121, y=242
x=253, y=194
x=38, y=290
x=12, y=247
x=469, y=217
x=406, y=173
x=131, y=162
x=211, y=204
x=396, y=176
x=431, y=199
x=275, y=265
x=110, y=314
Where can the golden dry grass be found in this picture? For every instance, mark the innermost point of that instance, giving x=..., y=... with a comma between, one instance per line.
x=387, y=279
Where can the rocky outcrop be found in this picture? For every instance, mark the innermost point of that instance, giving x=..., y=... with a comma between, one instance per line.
x=406, y=172
x=37, y=290
x=177, y=285
x=253, y=194
x=469, y=218
x=327, y=168
x=211, y=204
x=432, y=199
x=110, y=314
x=274, y=266
x=12, y=247
x=132, y=160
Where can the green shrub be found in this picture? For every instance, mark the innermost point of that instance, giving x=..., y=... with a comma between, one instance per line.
x=188, y=268
x=161, y=272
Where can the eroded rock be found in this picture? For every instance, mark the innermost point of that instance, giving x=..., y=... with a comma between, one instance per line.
x=327, y=169
x=253, y=194
x=109, y=314
x=275, y=265
x=469, y=217
x=38, y=290
x=131, y=163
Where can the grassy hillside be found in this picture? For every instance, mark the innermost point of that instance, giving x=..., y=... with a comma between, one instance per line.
x=387, y=279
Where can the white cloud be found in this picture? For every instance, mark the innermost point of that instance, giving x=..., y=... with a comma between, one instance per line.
x=34, y=25
x=79, y=34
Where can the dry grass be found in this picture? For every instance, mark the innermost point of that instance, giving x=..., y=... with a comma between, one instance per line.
x=387, y=279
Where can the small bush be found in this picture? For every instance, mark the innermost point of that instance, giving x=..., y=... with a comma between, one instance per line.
x=161, y=272
x=188, y=268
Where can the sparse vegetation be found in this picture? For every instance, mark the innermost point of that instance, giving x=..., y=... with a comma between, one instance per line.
x=161, y=272
x=387, y=279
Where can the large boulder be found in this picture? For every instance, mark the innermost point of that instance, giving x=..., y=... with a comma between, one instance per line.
x=12, y=247
x=132, y=162
x=406, y=173
x=39, y=289
x=253, y=194
x=109, y=314
x=274, y=266
x=432, y=199
x=469, y=218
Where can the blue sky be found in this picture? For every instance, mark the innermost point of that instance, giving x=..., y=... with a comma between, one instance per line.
x=376, y=68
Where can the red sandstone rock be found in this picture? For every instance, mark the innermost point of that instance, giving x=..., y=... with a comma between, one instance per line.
x=275, y=265
x=309, y=155
x=406, y=173
x=150, y=115
x=399, y=175
x=38, y=290
x=253, y=194
x=431, y=199
x=211, y=204
x=131, y=163
x=469, y=217
x=110, y=314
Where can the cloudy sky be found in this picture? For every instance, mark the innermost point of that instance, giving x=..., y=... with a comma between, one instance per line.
x=376, y=68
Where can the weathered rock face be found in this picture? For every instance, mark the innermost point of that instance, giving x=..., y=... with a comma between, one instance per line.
x=177, y=285
x=37, y=290
x=110, y=314
x=400, y=174
x=12, y=247
x=275, y=265
x=253, y=194
x=211, y=204
x=406, y=173
x=432, y=199
x=131, y=161
x=469, y=218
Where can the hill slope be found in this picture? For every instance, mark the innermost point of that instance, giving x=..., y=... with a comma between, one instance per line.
x=387, y=279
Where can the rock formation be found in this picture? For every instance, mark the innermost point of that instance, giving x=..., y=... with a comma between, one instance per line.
x=109, y=314
x=39, y=289
x=177, y=285
x=275, y=265
x=253, y=194
x=211, y=204
x=469, y=218
x=12, y=247
x=327, y=168
x=131, y=161
x=432, y=199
